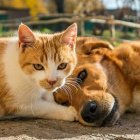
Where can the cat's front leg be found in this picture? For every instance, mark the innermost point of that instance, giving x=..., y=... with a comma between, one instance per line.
x=48, y=110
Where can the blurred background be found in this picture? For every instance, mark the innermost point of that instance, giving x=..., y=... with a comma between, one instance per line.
x=110, y=19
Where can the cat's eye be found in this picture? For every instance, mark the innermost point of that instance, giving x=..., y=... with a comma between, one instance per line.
x=38, y=66
x=62, y=66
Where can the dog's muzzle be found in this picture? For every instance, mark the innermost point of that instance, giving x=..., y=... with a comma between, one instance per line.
x=92, y=113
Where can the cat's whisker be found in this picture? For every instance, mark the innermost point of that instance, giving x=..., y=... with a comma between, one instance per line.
x=71, y=78
x=75, y=79
x=69, y=96
x=68, y=88
x=70, y=84
x=69, y=93
x=78, y=85
x=75, y=84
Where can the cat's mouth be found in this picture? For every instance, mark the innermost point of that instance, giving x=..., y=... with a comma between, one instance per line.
x=51, y=88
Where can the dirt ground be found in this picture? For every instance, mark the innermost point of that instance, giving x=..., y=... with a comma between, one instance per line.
x=33, y=129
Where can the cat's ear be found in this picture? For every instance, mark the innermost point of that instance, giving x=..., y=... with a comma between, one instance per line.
x=25, y=35
x=69, y=35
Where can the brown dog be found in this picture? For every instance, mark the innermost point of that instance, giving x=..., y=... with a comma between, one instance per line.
x=109, y=81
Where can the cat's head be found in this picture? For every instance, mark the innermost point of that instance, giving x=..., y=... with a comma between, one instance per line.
x=47, y=59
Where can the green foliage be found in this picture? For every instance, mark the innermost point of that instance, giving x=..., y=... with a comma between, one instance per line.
x=129, y=35
x=46, y=30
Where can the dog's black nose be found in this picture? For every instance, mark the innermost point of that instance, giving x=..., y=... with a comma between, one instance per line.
x=90, y=112
x=92, y=107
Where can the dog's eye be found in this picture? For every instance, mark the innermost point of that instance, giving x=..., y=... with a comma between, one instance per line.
x=82, y=76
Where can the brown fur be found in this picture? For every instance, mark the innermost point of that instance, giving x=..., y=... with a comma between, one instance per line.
x=5, y=97
x=118, y=78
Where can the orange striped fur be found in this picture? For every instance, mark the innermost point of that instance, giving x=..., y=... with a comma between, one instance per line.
x=32, y=66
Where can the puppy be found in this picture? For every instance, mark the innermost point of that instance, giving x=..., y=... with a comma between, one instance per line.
x=109, y=81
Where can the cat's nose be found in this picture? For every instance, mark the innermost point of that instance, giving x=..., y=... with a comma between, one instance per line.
x=51, y=82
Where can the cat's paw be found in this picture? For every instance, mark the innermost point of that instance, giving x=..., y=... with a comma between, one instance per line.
x=71, y=114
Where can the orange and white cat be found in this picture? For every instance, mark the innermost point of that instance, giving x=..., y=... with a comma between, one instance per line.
x=32, y=66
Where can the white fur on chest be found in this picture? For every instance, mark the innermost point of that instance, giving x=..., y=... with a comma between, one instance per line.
x=21, y=88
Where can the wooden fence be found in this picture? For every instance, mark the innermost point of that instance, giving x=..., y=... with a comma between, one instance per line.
x=70, y=18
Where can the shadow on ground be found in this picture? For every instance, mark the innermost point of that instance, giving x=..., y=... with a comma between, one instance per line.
x=21, y=128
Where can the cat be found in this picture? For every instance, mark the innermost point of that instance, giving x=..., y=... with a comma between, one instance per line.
x=33, y=66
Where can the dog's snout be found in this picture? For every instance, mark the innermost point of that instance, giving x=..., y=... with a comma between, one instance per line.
x=90, y=112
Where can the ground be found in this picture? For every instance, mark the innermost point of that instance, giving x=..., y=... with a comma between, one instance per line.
x=33, y=129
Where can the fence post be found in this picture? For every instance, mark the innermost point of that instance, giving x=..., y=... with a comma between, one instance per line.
x=82, y=26
x=112, y=28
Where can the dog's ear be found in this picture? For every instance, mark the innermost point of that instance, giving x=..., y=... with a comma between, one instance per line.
x=80, y=41
x=102, y=44
x=89, y=47
x=86, y=45
x=61, y=98
x=83, y=40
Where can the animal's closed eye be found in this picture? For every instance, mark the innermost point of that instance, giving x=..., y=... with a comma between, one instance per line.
x=82, y=76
